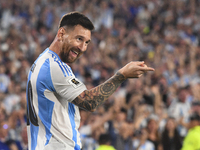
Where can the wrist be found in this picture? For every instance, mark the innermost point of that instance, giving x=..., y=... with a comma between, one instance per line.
x=121, y=75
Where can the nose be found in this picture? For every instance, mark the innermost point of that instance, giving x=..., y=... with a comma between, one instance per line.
x=82, y=46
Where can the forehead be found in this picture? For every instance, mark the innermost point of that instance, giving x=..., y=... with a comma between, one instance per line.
x=81, y=31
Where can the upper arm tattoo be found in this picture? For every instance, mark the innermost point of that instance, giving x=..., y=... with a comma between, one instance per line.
x=91, y=99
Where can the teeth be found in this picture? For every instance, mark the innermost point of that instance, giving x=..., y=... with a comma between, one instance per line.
x=75, y=52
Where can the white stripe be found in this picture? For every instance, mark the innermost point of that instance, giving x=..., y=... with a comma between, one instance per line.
x=61, y=123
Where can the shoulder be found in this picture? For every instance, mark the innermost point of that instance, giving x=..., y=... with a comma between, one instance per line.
x=55, y=63
x=59, y=67
x=194, y=132
x=106, y=147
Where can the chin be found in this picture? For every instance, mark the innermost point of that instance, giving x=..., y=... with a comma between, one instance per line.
x=66, y=59
x=69, y=61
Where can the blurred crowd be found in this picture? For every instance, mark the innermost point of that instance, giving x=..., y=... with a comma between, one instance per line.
x=152, y=112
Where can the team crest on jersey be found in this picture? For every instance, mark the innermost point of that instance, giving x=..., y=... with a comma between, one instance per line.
x=75, y=82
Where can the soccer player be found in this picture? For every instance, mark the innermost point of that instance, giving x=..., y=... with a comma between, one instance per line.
x=54, y=94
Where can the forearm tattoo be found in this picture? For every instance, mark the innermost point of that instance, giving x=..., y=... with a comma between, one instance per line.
x=91, y=99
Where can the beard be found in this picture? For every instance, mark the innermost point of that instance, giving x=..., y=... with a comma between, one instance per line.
x=65, y=55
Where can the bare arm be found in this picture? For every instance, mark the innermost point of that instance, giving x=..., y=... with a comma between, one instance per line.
x=91, y=99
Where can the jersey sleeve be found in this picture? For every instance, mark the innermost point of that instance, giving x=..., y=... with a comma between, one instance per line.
x=66, y=85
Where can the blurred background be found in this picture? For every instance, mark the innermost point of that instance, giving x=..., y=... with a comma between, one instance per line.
x=154, y=109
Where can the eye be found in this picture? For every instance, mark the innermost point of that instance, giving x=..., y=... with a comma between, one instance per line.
x=87, y=42
x=79, y=39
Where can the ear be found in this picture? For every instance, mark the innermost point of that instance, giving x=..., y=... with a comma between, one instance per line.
x=60, y=34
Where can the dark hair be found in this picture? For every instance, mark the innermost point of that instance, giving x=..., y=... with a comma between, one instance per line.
x=75, y=18
x=10, y=142
x=195, y=116
x=104, y=138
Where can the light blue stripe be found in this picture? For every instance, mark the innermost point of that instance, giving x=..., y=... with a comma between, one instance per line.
x=33, y=129
x=34, y=135
x=45, y=105
x=69, y=69
x=71, y=112
x=68, y=73
x=61, y=64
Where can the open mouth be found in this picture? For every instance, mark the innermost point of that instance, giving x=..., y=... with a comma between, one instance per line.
x=74, y=52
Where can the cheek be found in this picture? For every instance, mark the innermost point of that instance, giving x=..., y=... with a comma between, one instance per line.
x=64, y=46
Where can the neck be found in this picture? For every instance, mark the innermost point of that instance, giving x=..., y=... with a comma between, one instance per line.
x=55, y=46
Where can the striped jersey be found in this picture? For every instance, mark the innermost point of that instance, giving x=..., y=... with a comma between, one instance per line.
x=52, y=120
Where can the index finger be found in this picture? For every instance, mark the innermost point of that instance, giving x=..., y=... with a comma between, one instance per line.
x=147, y=69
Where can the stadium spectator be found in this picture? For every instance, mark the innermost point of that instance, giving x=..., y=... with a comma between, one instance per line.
x=124, y=137
x=105, y=142
x=171, y=140
x=153, y=133
x=141, y=142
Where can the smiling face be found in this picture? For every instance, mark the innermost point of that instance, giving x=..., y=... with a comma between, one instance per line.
x=73, y=43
